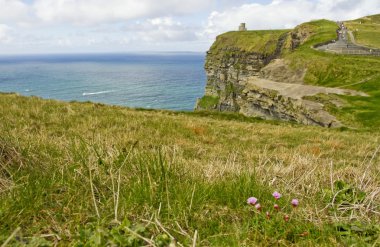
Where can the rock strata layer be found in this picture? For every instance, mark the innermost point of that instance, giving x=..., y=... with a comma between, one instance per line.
x=286, y=101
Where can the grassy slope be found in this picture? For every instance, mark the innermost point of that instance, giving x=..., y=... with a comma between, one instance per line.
x=366, y=30
x=353, y=72
x=60, y=164
x=264, y=42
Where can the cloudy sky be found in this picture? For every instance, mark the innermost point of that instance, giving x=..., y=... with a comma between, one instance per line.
x=72, y=26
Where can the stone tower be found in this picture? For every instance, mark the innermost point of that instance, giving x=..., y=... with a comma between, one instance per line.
x=242, y=27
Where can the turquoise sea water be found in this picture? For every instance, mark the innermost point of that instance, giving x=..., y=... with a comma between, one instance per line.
x=159, y=81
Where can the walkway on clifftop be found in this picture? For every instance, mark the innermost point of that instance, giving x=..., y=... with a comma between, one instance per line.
x=346, y=46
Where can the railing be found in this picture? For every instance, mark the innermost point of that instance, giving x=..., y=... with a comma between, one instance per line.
x=357, y=52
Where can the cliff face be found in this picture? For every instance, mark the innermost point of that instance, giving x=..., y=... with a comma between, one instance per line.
x=252, y=80
x=226, y=76
x=229, y=67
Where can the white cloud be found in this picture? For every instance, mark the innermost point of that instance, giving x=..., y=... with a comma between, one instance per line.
x=13, y=10
x=5, y=36
x=116, y=25
x=287, y=14
x=64, y=42
x=97, y=11
x=164, y=29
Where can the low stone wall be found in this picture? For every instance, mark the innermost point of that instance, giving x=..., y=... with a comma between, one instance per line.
x=356, y=52
x=351, y=49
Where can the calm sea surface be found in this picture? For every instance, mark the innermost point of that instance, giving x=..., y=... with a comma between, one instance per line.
x=160, y=81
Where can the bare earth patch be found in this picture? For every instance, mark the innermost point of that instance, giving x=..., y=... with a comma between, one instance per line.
x=297, y=91
x=280, y=71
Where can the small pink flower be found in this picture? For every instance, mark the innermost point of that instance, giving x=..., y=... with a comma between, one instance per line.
x=276, y=207
x=268, y=215
x=252, y=200
x=286, y=218
x=295, y=203
x=258, y=206
x=276, y=195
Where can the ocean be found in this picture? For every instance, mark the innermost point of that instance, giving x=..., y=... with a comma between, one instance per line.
x=170, y=81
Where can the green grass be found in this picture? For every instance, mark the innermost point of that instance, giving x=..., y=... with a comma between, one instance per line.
x=366, y=30
x=208, y=102
x=264, y=42
x=89, y=174
x=319, y=31
x=331, y=70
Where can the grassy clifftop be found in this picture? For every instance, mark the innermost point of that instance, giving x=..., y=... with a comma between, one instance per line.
x=264, y=42
x=366, y=30
x=83, y=173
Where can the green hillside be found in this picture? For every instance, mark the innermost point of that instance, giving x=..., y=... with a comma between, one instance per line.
x=366, y=30
x=360, y=73
x=86, y=174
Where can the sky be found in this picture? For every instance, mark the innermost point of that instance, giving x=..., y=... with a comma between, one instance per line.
x=97, y=26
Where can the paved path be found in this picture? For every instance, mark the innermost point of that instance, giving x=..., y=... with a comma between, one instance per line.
x=352, y=37
x=344, y=46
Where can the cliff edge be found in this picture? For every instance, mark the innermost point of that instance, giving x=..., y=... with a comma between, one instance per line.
x=277, y=74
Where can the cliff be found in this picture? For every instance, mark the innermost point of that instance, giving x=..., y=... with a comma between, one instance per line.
x=261, y=73
x=231, y=60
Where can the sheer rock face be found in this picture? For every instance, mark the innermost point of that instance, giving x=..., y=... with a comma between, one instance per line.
x=226, y=76
x=230, y=73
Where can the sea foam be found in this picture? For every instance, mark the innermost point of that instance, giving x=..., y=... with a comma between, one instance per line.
x=101, y=92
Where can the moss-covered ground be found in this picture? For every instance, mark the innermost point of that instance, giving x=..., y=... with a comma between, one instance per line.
x=208, y=102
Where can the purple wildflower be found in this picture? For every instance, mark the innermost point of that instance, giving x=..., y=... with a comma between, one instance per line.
x=252, y=200
x=295, y=203
x=276, y=195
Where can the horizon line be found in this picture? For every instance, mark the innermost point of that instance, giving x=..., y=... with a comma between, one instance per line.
x=102, y=53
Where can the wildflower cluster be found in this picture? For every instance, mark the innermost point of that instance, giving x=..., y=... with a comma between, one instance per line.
x=253, y=201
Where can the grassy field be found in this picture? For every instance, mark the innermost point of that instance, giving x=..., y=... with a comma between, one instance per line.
x=86, y=174
x=366, y=30
x=249, y=41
